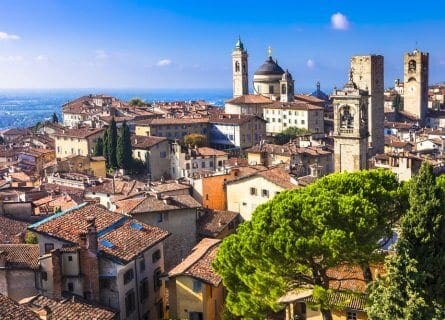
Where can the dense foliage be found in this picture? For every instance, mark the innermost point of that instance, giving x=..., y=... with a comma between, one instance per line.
x=414, y=287
x=289, y=134
x=296, y=237
x=124, y=153
x=55, y=119
x=195, y=140
x=112, y=144
x=99, y=147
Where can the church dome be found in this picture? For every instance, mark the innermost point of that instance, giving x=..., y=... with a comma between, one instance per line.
x=269, y=67
x=319, y=94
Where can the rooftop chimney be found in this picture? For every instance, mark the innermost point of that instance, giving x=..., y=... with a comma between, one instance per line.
x=91, y=234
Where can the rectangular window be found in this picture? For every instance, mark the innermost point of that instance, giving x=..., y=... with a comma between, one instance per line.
x=203, y=164
x=265, y=193
x=49, y=247
x=70, y=286
x=253, y=191
x=197, y=286
x=130, y=304
x=159, y=217
x=211, y=164
x=142, y=265
x=70, y=258
x=157, y=282
x=302, y=121
x=351, y=315
x=128, y=276
x=44, y=275
x=156, y=256
x=143, y=289
x=163, y=154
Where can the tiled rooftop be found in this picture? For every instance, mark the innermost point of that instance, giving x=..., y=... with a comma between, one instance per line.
x=250, y=99
x=11, y=230
x=70, y=309
x=153, y=204
x=144, y=142
x=213, y=222
x=198, y=263
x=21, y=256
x=127, y=236
x=9, y=309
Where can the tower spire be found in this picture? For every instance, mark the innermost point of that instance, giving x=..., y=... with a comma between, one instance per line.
x=269, y=52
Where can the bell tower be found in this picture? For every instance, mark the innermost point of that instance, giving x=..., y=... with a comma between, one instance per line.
x=350, y=127
x=415, y=70
x=286, y=88
x=240, y=70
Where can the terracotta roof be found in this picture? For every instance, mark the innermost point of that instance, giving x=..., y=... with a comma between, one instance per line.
x=167, y=121
x=295, y=105
x=279, y=176
x=70, y=309
x=308, y=98
x=350, y=277
x=130, y=239
x=9, y=309
x=239, y=119
x=169, y=186
x=21, y=256
x=144, y=142
x=127, y=205
x=249, y=99
x=120, y=187
x=288, y=149
x=198, y=263
x=206, y=151
x=80, y=133
x=175, y=202
x=212, y=222
x=119, y=236
x=399, y=125
x=50, y=204
x=11, y=231
x=344, y=299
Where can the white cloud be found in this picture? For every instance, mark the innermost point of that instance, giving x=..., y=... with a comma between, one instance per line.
x=339, y=21
x=11, y=58
x=164, y=62
x=101, y=55
x=41, y=58
x=310, y=63
x=7, y=36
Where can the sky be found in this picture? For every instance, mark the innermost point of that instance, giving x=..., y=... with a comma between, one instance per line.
x=188, y=43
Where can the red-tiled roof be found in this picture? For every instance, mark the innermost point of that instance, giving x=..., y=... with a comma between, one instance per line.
x=127, y=236
x=213, y=222
x=11, y=231
x=21, y=256
x=9, y=309
x=199, y=263
x=225, y=118
x=174, y=202
x=80, y=133
x=249, y=99
x=295, y=105
x=70, y=309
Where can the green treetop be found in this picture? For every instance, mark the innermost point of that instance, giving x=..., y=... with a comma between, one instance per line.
x=112, y=145
x=414, y=286
x=289, y=134
x=294, y=239
x=124, y=152
x=99, y=147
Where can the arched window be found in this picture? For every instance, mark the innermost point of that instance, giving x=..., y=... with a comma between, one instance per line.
x=237, y=66
x=412, y=65
x=283, y=88
x=346, y=118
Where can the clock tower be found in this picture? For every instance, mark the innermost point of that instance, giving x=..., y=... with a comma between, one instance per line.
x=240, y=71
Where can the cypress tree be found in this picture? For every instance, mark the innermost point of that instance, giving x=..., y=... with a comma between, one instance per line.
x=112, y=144
x=105, y=151
x=414, y=287
x=124, y=152
x=55, y=119
x=99, y=147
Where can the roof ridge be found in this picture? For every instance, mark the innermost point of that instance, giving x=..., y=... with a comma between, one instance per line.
x=112, y=226
x=34, y=225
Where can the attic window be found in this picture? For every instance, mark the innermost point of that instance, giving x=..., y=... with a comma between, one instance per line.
x=107, y=243
x=137, y=226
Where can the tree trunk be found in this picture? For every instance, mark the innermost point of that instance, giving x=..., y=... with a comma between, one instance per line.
x=327, y=315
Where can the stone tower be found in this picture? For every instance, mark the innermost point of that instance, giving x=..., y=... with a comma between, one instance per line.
x=415, y=91
x=367, y=74
x=350, y=127
x=240, y=71
x=287, y=87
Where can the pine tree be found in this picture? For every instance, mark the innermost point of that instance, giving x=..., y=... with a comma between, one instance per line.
x=105, y=151
x=112, y=144
x=414, y=287
x=99, y=147
x=124, y=152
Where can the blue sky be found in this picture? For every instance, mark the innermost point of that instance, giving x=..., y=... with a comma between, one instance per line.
x=187, y=44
